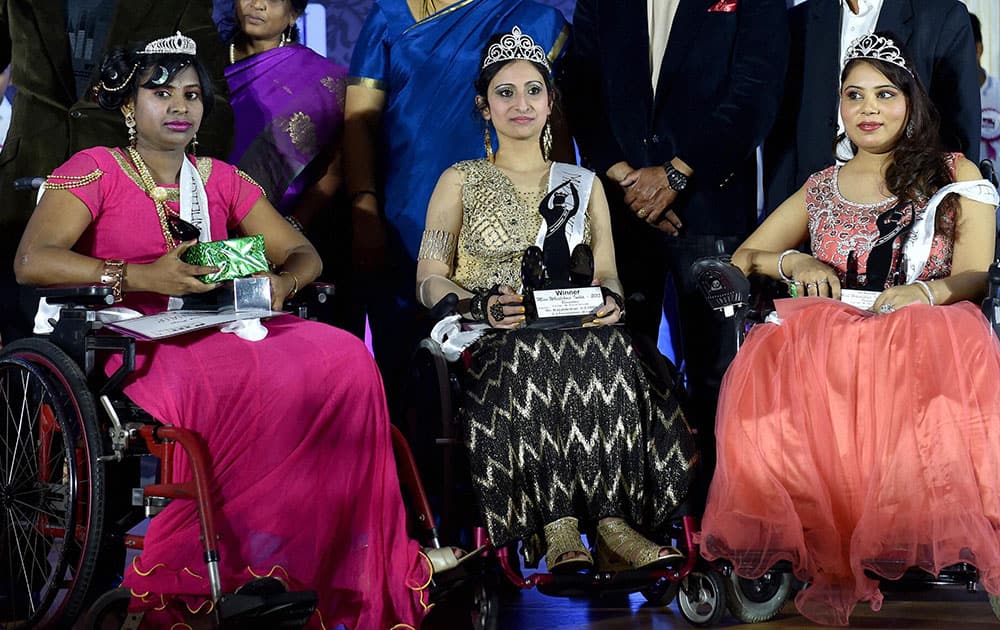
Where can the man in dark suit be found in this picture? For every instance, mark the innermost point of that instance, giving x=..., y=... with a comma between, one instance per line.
x=937, y=35
x=677, y=159
x=54, y=114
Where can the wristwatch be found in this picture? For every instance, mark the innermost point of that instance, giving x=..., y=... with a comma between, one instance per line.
x=677, y=180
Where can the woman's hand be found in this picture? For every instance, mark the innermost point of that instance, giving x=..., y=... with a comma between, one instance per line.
x=505, y=310
x=607, y=315
x=282, y=286
x=170, y=275
x=895, y=298
x=812, y=277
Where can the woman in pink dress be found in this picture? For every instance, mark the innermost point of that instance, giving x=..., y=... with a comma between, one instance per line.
x=855, y=439
x=304, y=483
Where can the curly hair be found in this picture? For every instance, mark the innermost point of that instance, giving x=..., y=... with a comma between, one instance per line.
x=918, y=167
x=123, y=71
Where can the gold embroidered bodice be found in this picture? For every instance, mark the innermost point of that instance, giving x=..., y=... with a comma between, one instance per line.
x=498, y=223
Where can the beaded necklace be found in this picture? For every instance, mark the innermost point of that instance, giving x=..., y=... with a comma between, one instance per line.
x=160, y=196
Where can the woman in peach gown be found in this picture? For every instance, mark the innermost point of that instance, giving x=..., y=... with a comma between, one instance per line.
x=856, y=441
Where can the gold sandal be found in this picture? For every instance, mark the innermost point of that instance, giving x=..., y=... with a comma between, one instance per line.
x=562, y=537
x=620, y=548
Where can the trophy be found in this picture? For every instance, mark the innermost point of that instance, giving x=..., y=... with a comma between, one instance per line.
x=556, y=284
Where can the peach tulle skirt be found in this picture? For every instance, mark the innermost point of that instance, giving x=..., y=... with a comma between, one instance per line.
x=850, y=442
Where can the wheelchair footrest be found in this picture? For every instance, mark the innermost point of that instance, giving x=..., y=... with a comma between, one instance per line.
x=278, y=611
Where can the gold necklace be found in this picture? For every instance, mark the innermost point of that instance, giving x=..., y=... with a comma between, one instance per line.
x=158, y=194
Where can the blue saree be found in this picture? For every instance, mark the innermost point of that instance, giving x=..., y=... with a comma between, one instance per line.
x=427, y=69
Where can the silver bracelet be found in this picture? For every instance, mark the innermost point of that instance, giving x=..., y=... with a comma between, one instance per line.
x=781, y=258
x=927, y=291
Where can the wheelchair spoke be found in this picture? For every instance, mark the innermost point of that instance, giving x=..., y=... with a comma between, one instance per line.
x=37, y=507
x=32, y=532
x=24, y=434
x=20, y=554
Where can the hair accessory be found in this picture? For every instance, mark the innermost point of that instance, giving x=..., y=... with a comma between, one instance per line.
x=516, y=46
x=121, y=86
x=872, y=46
x=174, y=45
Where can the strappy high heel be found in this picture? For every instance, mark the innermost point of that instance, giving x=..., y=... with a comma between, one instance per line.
x=562, y=537
x=620, y=548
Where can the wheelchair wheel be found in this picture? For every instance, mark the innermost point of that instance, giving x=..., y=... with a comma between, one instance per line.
x=109, y=611
x=755, y=601
x=702, y=598
x=662, y=593
x=51, y=487
x=485, y=605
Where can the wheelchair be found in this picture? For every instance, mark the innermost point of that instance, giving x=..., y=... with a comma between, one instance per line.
x=71, y=448
x=697, y=586
x=69, y=452
x=745, y=304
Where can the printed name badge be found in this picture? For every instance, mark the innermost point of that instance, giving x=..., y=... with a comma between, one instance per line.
x=568, y=302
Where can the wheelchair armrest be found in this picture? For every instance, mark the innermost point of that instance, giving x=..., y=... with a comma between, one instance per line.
x=78, y=294
x=444, y=307
x=723, y=285
x=311, y=296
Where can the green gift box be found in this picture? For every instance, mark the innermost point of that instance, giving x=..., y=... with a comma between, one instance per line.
x=234, y=257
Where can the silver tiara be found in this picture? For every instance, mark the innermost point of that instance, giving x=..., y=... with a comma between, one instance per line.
x=174, y=45
x=516, y=46
x=872, y=46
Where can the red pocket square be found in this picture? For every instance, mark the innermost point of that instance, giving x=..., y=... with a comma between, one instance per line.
x=723, y=6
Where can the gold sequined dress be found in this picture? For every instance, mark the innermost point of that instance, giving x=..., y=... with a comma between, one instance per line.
x=559, y=422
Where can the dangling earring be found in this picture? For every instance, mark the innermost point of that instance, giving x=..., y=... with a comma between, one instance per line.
x=547, y=141
x=488, y=141
x=285, y=39
x=129, y=112
x=194, y=145
x=909, y=129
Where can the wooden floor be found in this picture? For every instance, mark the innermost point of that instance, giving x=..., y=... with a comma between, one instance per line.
x=943, y=609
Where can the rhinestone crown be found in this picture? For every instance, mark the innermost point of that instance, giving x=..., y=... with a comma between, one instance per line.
x=175, y=44
x=516, y=45
x=872, y=46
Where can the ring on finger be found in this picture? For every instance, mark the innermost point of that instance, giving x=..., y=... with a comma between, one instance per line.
x=642, y=213
x=886, y=308
x=496, y=311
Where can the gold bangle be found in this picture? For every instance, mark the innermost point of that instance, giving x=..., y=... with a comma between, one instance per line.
x=113, y=275
x=295, y=283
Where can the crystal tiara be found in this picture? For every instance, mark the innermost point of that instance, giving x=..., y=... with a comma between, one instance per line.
x=174, y=45
x=872, y=46
x=515, y=45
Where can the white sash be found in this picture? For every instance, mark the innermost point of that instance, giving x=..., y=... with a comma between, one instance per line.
x=194, y=210
x=582, y=180
x=917, y=249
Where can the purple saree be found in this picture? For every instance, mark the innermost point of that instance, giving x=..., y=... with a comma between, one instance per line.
x=288, y=104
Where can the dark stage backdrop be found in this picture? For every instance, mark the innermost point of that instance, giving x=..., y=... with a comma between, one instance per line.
x=341, y=20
